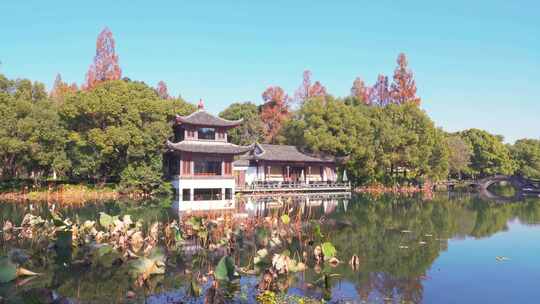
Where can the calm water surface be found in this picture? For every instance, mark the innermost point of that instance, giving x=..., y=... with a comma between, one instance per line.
x=441, y=250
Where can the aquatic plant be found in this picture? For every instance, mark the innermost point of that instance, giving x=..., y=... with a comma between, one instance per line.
x=148, y=249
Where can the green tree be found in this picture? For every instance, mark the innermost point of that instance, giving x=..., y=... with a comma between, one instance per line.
x=489, y=154
x=460, y=155
x=389, y=144
x=526, y=154
x=116, y=132
x=328, y=126
x=32, y=139
x=408, y=146
x=251, y=130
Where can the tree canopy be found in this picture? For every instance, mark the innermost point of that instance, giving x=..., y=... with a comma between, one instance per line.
x=112, y=132
x=117, y=130
x=526, y=153
x=489, y=154
x=251, y=130
x=274, y=112
x=378, y=144
x=460, y=154
x=113, y=129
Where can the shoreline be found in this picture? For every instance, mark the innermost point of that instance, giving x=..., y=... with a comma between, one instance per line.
x=72, y=194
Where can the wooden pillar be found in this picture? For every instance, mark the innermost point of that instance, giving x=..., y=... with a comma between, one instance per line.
x=180, y=165
x=288, y=173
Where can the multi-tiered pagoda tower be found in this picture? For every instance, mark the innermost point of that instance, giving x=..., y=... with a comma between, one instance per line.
x=200, y=160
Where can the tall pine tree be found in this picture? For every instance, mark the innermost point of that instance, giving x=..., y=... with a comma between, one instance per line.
x=360, y=91
x=308, y=90
x=403, y=88
x=379, y=94
x=162, y=90
x=105, y=66
x=61, y=88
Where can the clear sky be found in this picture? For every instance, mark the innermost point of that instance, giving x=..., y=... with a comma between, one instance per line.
x=476, y=63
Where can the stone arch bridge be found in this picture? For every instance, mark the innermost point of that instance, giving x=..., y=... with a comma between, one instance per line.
x=524, y=186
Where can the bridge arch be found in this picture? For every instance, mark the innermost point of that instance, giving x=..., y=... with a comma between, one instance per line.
x=522, y=185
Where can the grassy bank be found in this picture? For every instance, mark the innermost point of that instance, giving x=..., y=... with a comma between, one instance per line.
x=27, y=190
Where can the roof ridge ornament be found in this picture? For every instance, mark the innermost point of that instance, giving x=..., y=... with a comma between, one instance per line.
x=200, y=106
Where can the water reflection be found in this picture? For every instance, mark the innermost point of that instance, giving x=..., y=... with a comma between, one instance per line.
x=398, y=240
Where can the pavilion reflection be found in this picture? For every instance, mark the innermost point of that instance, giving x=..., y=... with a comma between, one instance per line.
x=311, y=205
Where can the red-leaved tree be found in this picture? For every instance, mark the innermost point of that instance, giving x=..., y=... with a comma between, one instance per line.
x=308, y=90
x=162, y=90
x=105, y=66
x=379, y=94
x=360, y=91
x=60, y=88
x=403, y=87
x=274, y=112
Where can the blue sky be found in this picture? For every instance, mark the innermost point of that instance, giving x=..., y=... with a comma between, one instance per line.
x=476, y=63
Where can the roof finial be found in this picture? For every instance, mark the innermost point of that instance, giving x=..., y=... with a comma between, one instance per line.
x=200, y=106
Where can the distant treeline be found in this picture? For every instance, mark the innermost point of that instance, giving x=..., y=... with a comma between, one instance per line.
x=113, y=129
x=396, y=143
x=113, y=132
x=116, y=132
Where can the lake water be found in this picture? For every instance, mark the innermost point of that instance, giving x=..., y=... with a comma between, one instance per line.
x=451, y=248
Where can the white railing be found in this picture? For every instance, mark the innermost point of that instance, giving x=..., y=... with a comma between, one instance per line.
x=289, y=186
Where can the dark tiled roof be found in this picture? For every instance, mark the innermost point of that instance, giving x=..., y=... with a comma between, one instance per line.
x=284, y=153
x=207, y=147
x=203, y=118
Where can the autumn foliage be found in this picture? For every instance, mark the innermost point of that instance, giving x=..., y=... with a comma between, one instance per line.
x=162, y=90
x=403, y=88
x=61, y=88
x=105, y=66
x=380, y=92
x=360, y=91
x=308, y=90
x=274, y=112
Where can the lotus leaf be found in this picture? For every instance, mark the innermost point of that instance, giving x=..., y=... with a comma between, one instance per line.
x=105, y=256
x=8, y=270
x=148, y=266
x=196, y=223
x=285, y=219
x=105, y=220
x=225, y=270
x=328, y=250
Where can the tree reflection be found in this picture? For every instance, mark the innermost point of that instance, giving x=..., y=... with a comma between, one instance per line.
x=398, y=239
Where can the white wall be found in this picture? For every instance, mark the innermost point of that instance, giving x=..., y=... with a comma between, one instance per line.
x=180, y=184
x=204, y=183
